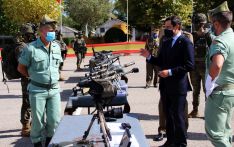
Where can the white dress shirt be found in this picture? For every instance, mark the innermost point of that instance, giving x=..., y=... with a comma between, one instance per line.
x=175, y=38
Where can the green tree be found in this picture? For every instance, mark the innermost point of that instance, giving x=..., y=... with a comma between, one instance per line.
x=119, y=10
x=7, y=27
x=88, y=12
x=182, y=8
x=202, y=6
x=23, y=11
x=152, y=12
x=68, y=21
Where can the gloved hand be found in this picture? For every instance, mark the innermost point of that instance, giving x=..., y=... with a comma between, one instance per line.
x=210, y=85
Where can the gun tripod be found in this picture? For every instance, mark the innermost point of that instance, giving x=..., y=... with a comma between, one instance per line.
x=101, y=119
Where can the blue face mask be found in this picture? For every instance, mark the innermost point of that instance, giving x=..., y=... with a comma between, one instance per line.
x=50, y=36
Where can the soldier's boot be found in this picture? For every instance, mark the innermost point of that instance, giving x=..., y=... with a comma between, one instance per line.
x=60, y=67
x=148, y=83
x=194, y=113
x=127, y=108
x=26, y=128
x=61, y=78
x=78, y=68
x=47, y=142
x=38, y=144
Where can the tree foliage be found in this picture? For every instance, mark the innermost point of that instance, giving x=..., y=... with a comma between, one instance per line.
x=91, y=12
x=7, y=27
x=202, y=6
x=152, y=12
x=182, y=8
x=68, y=21
x=23, y=11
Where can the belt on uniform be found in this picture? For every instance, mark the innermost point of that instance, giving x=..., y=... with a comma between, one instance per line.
x=224, y=87
x=47, y=86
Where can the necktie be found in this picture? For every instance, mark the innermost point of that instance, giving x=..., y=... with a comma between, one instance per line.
x=172, y=42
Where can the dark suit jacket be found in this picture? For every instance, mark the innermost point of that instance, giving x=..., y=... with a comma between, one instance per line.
x=180, y=59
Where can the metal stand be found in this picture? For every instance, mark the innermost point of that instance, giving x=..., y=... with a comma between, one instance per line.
x=101, y=119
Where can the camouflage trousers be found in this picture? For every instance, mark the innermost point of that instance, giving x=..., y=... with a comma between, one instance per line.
x=79, y=57
x=162, y=117
x=198, y=76
x=25, y=108
x=151, y=74
x=63, y=54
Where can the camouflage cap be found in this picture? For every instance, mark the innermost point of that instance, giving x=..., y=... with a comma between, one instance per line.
x=221, y=8
x=27, y=29
x=46, y=20
x=199, y=18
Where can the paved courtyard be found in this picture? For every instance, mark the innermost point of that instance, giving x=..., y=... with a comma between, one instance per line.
x=144, y=105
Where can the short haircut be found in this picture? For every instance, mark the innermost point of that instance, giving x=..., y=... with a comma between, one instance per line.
x=224, y=18
x=175, y=20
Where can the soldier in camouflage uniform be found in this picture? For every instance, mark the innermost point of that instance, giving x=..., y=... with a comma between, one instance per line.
x=79, y=47
x=28, y=35
x=202, y=41
x=152, y=45
x=63, y=47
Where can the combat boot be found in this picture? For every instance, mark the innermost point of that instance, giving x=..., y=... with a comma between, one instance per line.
x=147, y=84
x=47, y=142
x=194, y=114
x=26, y=128
x=38, y=144
x=60, y=67
x=78, y=68
x=61, y=78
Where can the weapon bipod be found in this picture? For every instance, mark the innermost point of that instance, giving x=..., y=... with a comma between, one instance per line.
x=101, y=119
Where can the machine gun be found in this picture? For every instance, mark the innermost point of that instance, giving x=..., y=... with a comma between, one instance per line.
x=103, y=82
x=102, y=57
x=102, y=65
x=103, y=90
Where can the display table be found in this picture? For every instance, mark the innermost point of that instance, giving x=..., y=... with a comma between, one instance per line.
x=73, y=127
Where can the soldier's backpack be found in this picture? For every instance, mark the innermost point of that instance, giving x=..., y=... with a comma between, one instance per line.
x=9, y=63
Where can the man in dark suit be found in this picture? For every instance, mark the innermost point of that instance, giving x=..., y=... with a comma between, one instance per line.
x=175, y=59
